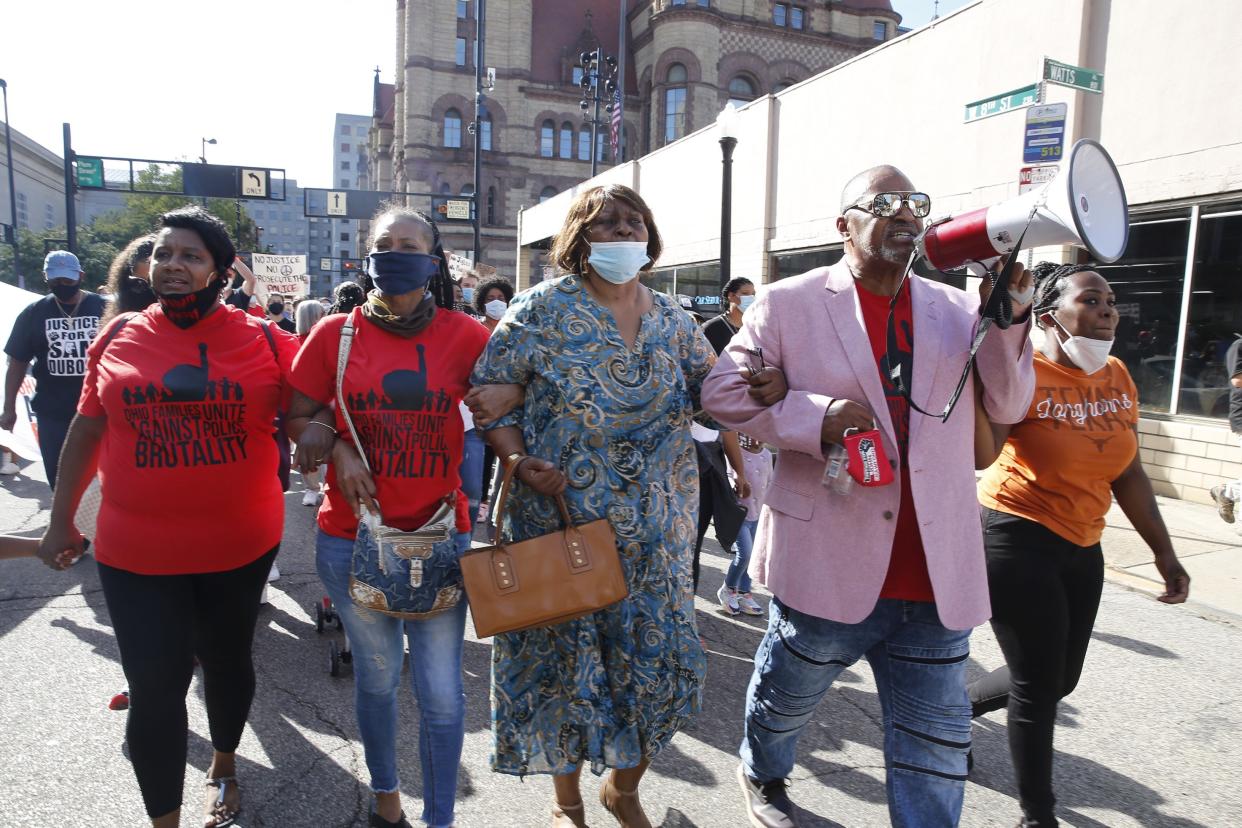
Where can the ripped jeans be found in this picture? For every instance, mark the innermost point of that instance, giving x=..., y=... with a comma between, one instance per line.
x=378, y=643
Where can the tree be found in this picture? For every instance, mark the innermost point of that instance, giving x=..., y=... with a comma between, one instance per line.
x=94, y=253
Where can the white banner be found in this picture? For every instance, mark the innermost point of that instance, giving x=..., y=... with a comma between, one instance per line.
x=285, y=275
x=21, y=440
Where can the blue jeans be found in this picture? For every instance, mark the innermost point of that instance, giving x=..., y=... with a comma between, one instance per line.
x=737, y=577
x=920, y=676
x=472, y=472
x=435, y=677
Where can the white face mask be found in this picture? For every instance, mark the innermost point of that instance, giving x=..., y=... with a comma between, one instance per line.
x=744, y=302
x=618, y=262
x=495, y=309
x=1088, y=354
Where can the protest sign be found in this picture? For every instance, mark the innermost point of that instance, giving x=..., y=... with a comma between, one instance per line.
x=285, y=275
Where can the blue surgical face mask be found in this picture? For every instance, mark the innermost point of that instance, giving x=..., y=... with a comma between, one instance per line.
x=396, y=272
x=618, y=262
x=467, y=294
x=745, y=302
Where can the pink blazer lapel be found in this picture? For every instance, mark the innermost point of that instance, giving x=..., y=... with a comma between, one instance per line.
x=841, y=298
x=928, y=353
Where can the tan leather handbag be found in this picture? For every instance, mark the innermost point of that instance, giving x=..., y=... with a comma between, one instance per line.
x=545, y=580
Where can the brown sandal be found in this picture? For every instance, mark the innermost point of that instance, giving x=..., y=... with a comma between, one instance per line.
x=623, y=805
x=221, y=814
x=565, y=816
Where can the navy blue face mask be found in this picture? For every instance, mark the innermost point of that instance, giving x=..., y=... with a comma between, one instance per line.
x=396, y=272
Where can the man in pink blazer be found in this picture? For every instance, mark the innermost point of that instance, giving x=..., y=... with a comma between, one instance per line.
x=893, y=573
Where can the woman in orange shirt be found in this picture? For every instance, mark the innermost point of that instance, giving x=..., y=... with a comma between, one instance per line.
x=1044, y=500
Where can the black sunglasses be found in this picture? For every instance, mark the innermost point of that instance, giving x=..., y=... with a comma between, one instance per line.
x=886, y=205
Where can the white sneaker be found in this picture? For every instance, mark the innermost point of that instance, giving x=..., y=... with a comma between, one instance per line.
x=7, y=466
x=727, y=599
x=748, y=604
x=310, y=497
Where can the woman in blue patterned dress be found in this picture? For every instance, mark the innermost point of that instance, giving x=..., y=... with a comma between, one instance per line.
x=612, y=373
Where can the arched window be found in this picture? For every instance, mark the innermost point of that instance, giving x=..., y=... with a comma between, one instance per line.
x=547, y=139
x=741, y=90
x=783, y=85
x=546, y=193
x=485, y=133
x=675, y=103
x=584, y=144
x=567, y=140
x=452, y=128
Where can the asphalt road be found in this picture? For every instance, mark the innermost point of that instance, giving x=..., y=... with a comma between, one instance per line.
x=1150, y=738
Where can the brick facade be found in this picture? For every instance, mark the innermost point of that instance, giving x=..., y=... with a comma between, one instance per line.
x=534, y=46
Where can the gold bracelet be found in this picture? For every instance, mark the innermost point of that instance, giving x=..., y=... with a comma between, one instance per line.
x=515, y=457
x=325, y=425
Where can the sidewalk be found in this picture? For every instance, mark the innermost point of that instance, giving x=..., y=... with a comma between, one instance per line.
x=1209, y=548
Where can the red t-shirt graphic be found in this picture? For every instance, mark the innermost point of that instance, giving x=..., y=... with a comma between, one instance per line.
x=907, y=578
x=402, y=394
x=188, y=465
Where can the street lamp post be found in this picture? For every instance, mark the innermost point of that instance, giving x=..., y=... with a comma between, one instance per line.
x=8, y=148
x=202, y=157
x=599, y=73
x=726, y=122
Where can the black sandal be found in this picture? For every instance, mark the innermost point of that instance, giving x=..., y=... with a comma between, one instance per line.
x=220, y=814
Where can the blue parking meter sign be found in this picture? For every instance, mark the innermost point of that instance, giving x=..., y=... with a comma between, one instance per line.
x=1044, y=138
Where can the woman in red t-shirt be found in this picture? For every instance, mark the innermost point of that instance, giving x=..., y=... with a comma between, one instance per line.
x=1044, y=501
x=408, y=368
x=176, y=412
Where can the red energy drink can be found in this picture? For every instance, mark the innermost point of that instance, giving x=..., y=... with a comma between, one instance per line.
x=868, y=464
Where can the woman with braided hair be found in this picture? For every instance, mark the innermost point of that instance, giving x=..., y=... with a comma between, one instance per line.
x=407, y=368
x=1043, y=504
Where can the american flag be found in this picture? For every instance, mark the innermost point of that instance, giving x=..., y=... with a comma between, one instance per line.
x=616, y=126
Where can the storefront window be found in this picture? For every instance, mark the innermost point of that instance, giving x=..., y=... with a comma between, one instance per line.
x=701, y=282
x=789, y=264
x=1148, y=280
x=1215, y=317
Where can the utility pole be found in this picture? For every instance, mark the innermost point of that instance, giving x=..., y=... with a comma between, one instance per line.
x=71, y=219
x=480, y=23
x=8, y=148
x=619, y=157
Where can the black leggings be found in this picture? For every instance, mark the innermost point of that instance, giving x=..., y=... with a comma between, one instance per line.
x=162, y=622
x=1045, y=593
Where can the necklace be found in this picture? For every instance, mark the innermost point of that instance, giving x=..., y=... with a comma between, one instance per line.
x=68, y=314
x=729, y=322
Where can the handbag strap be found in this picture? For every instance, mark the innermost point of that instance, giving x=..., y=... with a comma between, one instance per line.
x=503, y=500
x=342, y=359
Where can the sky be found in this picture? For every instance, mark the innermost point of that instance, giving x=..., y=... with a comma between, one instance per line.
x=151, y=78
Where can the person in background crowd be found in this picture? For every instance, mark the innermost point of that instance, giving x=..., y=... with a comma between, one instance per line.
x=491, y=300
x=738, y=295
x=410, y=360
x=277, y=315
x=242, y=291
x=1228, y=494
x=611, y=371
x=888, y=572
x=306, y=315
x=468, y=283
x=734, y=594
x=346, y=296
x=54, y=333
x=179, y=582
x=129, y=279
x=1043, y=505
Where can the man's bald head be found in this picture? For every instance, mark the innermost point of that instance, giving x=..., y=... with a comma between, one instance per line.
x=884, y=178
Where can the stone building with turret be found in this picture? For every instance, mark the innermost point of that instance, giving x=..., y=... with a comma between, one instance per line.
x=684, y=60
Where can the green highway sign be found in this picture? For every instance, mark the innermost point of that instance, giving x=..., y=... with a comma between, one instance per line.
x=1076, y=77
x=90, y=172
x=1004, y=102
